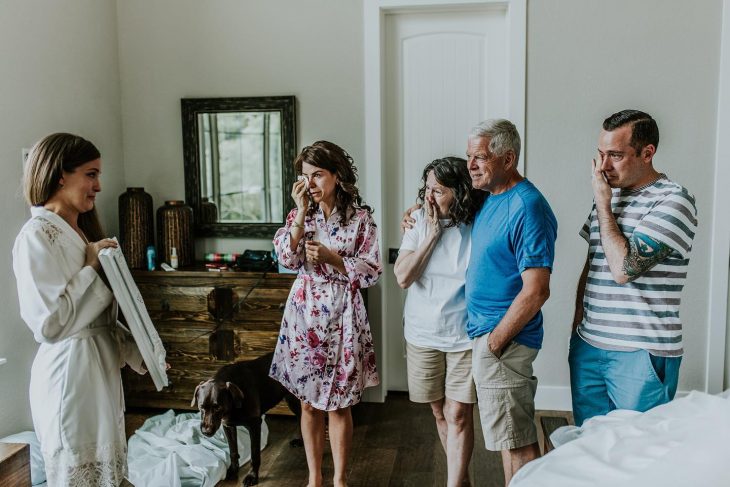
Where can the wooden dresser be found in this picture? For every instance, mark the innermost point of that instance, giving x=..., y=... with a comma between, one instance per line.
x=15, y=465
x=206, y=320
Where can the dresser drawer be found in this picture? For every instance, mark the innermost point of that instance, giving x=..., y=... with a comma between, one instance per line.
x=206, y=320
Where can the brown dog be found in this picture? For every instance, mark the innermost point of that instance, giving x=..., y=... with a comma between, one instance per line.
x=238, y=395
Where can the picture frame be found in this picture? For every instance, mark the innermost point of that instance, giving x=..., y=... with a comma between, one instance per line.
x=134, y=310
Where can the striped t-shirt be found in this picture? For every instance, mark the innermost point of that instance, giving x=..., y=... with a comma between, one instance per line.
x=643, y=313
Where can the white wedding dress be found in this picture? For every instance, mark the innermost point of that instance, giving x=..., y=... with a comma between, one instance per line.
x=76, y=388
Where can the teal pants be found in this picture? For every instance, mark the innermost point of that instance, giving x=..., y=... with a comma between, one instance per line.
x=604, y=380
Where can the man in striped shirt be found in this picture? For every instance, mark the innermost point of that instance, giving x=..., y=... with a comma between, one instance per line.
x=626, y=345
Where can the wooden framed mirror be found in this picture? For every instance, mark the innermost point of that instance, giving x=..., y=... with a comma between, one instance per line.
x=238, y=155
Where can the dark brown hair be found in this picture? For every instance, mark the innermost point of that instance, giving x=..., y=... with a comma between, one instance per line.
x=336, y=160
x=644, y=130
x=452, y=173
x=47, y=161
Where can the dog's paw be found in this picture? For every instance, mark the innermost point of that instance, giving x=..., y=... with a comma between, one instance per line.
x=232, y=473
x=250, y=479
x=296, y=443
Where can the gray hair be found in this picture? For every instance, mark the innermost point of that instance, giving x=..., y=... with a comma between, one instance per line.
x=502, y=135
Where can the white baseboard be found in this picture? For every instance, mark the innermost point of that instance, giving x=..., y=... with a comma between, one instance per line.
x=553, y=398
x=547, y=398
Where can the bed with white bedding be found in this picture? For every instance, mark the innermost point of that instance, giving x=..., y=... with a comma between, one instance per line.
x=685, y=443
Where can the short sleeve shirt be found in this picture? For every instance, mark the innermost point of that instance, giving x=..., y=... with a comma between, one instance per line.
x=643, y=313
x=513, y=231
x=435, y=310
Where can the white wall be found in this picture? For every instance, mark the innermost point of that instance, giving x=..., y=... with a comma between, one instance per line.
x=59, y=73
x=586, y=60
x=720, y=292
x=170, y=49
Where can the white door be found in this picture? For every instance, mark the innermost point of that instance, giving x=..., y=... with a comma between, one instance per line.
x=444, y=71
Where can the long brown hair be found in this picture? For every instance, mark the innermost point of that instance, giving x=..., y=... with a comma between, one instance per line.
x=452, y=173
x=336, y=160
x=47, y=160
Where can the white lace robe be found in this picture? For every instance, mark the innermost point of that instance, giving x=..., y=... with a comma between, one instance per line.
x=75, y=389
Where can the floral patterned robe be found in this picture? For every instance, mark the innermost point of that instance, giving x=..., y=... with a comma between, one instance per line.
x=325, y=354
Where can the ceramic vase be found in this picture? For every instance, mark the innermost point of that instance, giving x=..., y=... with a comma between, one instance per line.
x=175, y=229
x=136, y=226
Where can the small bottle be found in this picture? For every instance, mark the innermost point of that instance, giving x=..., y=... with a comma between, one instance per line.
x=173, y=258
x=151, y=257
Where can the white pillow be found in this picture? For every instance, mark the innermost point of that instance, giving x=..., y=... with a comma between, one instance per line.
x=37, y=467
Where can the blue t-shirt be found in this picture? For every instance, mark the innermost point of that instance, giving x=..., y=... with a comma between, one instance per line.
x=513, y=231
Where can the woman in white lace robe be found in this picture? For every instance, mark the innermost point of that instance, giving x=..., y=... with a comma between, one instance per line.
x=76, y=389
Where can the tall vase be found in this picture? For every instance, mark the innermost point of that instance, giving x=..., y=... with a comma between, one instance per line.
x=175, y=229
x=136, y=226
x=208, y=211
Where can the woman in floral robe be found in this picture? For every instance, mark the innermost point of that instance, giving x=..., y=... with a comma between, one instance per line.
x=325, y=354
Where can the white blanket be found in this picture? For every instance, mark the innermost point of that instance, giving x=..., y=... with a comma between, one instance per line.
x=171, y=451
x=682, y=443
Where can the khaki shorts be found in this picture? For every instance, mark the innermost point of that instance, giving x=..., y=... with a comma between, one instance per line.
x=506, y=391
x=433, y=375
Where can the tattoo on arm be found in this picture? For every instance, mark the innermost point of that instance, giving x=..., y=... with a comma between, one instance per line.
x=644, y=253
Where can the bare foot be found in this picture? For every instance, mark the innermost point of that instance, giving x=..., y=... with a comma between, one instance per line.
x=314, y=482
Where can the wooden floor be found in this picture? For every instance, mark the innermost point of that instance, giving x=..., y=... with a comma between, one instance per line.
x=394, y=444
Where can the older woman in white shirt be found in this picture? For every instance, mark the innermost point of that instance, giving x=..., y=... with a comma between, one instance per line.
x=432, y=265
x=75, y=388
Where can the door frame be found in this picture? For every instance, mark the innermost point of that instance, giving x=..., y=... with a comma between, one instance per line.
x=720, y=227
x=374, y=170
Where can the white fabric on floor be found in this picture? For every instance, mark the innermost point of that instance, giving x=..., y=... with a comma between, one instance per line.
x=170, y=451
x=680, y=444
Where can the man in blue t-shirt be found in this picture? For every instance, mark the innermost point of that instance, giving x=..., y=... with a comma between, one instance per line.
x=507, y=282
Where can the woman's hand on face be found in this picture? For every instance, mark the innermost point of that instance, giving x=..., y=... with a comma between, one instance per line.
x=432, y=219
x=300, y=194
x=92, y=252
x=317, y=253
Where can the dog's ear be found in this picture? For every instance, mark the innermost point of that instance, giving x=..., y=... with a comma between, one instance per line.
x=236, y=394
x=194, y=403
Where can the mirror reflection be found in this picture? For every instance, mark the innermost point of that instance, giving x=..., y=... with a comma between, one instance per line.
x=238, y=163
x=240, y=171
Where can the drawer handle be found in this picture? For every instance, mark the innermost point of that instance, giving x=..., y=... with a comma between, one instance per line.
x=220, y=303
